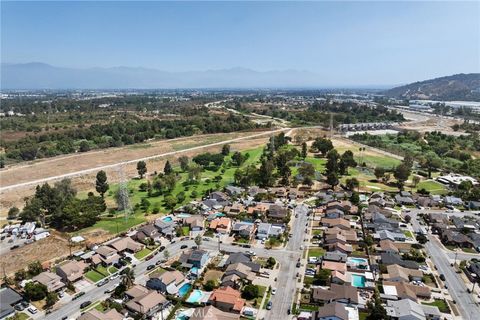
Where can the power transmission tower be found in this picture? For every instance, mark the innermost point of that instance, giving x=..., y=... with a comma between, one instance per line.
x=331, y=125
x=123, y=194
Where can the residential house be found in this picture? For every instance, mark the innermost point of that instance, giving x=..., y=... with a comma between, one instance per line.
x=212, y=313
x=405, y=290
x=71, y=271
x=260, y=209
x=337, y=293
x=337, y=222
x=196, y=222
x=166, y=282
x=404, y=198
x=340, y=247
x=227, y=299
x=455, y=238
x=387, y=246
x=234, y=209
x=194, y=258
x=391, y=258
x=335, y=256
x=52, y=281
x=8, y=299
x=237, y=273
x=126, y=244
x=254, y=190
x=234, y=191
x=94, y=314
x=389, y=235
x=405, y=309
x=219, y=196
x=277, y=212
x=240, y=257
x=165, y=227
x=221, y=225
x=398, y=273
x=244, y=229
x=280, y=192
x=453, y=201
x=105, y=255
x=334, y=266
x=267, y=230
x=349, y=234
x=145, y=302
x=335, y=311
x=147, y=233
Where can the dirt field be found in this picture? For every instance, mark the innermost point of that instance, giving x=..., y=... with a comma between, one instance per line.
x=85, y=181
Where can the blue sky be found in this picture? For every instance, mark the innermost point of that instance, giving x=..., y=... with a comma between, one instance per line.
x=358, y=43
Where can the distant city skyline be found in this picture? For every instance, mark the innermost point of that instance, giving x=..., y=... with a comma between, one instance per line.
x=344, y=43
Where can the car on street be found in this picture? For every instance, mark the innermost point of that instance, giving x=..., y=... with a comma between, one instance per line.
x=78, y=295
x=14, y=247
x=274, y=291
x=115, y=276
x=298, y=264
x=150, y=267
x=102, y=282
x=85, y=304
x=251, y=253
x=111, y=289
x=184, y=246
x=442, y=277
x=269, y=305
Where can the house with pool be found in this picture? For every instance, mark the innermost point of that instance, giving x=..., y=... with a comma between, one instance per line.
x=167, y=282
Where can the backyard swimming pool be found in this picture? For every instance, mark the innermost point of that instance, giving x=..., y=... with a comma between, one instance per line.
x=184, y=215
x=358, y=281
x=195, y=296
x=184, y=289
x=358, y=260
x=167, y=219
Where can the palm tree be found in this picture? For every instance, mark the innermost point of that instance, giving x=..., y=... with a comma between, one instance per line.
x=128, y=277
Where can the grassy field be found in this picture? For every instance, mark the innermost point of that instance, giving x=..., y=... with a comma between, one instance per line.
x=94, y=276
x=440, y=303
x=433, y=187
x=316, y=252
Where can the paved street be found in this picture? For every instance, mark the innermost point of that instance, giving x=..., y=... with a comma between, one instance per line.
x=466, y=304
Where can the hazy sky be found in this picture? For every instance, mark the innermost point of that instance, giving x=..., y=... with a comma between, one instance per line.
x=344, y=42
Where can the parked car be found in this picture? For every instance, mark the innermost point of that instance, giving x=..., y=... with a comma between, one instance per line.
x=85, y=304
x=102, y=282
x=14, y=247
x=299, y=264
x=115, y=276
x=184, y=246
x=32, y=310
x=78, y=295
x=442, y=277
x=161, y=248
x=111, y=289
x=269, y=305
x=150, y=267
x=274, y=291
x=251, y=252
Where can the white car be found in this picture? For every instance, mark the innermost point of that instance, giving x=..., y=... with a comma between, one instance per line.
x=32, y=310
x=252, y=253
x=274, y=290
x=115, y=276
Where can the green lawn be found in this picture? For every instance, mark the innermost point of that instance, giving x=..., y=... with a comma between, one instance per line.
x=185, y=231
x=267, y=298
x=469, y=250
x=362, y=315
x=316, y=252
x=408, y=234
x=261, y=292
x=142, y=253
x=432, y=186
x=19, y=316
x=440, y=303
x=94, y=276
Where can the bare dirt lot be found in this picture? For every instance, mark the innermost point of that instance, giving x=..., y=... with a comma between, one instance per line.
x=88, y=162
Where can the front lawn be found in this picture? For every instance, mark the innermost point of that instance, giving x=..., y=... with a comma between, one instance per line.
x=440, y=303
x=316, y=252
x=261, y=291
x=469, y=250
x=185, y=231
x=94, y=276
x=142, y=253
x=408, y=234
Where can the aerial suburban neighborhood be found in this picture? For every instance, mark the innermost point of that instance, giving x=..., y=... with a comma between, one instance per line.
x=227, y=160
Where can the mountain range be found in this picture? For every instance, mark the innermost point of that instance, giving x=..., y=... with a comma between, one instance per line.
x=44, y=76
x=456, y=87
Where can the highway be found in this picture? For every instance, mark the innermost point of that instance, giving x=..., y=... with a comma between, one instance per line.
x=466, y=304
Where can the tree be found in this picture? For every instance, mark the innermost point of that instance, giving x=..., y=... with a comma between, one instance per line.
x=13, y=213
x=34, y=268
x=322, y=277
x=375, y=309
x=35, y=291
x=332, y=179
x=168, y=168
x=183, y=160
x=170, y=202
x=271, y=262
x=144, y=204
x=352, y=184
x=238, y=158
x=306, y=170
x=379, y=172
x=51, y=299
x=194, y=172
x=101, y=184
x=415, y=180
x=322, y=145
x=348, y=160
x=265, y=173
x=304, y=150
x=401, y=173
x=332, y=162
x=198, y=240
x=210, y=285
x=84, y=146
x=355, y=198
x=432, y=162
x=408, y=218
x=141, y=168
x=166, y=254
x=250, y=292
x=225, y=149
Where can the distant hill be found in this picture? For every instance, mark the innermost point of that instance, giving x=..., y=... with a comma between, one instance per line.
x=457, y=87
x=45, y=76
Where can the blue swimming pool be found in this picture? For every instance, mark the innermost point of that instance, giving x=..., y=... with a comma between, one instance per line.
x=358, y=260
x=195, y=296
x=358, y=281
x=184, y=289
x=184, y=215
x=167, y=219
